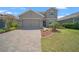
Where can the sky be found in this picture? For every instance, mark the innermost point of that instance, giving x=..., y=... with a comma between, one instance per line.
x=62, y=11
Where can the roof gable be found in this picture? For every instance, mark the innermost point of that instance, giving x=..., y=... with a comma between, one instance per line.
x=31, y=12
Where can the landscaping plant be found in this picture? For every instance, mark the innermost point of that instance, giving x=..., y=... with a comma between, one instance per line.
x=71, y=25
x=54, y=26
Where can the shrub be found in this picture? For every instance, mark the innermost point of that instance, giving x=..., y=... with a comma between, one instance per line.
x=54, y=26
x=2, y=30
x=13, y=24
x=12, y=28
x=71, y=25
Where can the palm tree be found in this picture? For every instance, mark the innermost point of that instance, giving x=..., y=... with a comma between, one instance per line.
x=54, y=26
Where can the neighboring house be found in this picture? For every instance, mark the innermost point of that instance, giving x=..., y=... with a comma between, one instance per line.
x=72, y=18
x=5, y=19
x=36, y=20
x=2, y=22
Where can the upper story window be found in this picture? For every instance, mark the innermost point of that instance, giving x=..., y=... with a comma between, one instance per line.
x=51, y=13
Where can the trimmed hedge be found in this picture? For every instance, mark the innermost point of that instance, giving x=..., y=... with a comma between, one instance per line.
x=71, y=25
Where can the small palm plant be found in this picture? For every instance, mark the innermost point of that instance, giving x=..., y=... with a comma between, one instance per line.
x=54, y=26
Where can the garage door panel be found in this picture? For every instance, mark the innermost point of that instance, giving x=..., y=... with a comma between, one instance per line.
x=31, y=24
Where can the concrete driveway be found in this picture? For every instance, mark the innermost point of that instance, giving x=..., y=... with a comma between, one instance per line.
x=21, y=41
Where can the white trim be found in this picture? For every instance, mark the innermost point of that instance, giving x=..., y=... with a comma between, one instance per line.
x=31, y=18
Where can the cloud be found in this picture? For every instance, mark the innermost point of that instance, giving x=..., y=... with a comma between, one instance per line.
x=8, y=12
x=2, y=11
x=5, y=12
x=63, y=16
x=60, y=16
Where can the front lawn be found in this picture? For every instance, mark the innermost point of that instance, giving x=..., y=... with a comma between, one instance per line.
x=65, y=40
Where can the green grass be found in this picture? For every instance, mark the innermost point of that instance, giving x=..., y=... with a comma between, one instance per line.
x=67, y=40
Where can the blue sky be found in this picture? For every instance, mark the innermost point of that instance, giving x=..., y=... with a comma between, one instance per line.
x=18, y=10
x=67, y=11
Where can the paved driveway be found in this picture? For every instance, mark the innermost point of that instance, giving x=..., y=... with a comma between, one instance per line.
x=20, y=41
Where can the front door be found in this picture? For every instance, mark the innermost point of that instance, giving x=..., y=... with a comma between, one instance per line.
x=44, y=23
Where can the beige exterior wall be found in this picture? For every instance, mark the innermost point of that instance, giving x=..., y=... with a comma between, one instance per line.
x=31, y=20
x=31, y=15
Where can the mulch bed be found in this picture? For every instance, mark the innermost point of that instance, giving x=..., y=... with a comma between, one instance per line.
x=46, y=33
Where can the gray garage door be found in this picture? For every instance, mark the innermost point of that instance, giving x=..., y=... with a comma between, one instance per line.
x=32, y=24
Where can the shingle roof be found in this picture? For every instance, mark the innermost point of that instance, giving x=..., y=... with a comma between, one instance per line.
x=69, y=16
x=39, y=13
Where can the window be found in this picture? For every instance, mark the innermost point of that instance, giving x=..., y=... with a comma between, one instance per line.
x=51, y=13
x=2, y=23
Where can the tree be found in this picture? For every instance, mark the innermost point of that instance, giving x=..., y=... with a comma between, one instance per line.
x=8, y=20
x=54, y=25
